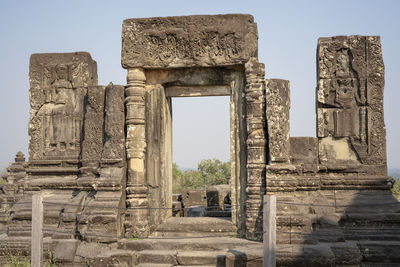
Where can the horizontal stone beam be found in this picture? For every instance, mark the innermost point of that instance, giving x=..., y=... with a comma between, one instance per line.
x=202, y=90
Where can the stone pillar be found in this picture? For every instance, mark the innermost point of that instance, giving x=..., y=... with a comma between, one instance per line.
x=256, y=147
x=136, y=221
x=277, y=112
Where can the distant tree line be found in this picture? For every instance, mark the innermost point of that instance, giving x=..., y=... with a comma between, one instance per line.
x=209, y=172
x=396, y=188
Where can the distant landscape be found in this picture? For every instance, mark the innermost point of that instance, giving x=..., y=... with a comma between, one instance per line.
x=394, y=172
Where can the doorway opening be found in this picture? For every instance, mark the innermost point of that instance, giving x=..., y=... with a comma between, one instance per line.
x=201, y=156
x=165, y=86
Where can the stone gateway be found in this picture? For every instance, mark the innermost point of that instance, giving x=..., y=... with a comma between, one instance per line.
x=101, y=156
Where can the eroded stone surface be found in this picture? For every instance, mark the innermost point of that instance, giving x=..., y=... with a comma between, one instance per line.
x=278, y=107
x=58, y=85
x=188, y=41
x=350, y=95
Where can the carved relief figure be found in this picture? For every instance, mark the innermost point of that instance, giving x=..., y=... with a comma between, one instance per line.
x=61, y=118
x=348, y=100
x=346, y=87
x=58, y=85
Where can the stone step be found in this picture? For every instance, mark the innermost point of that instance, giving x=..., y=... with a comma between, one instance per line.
x=214, y=258
x=380, y=251
x=185, y=244
x=219, y=213
x=193, y=234
x=154, y=265
x=373, y=218
x=157, y=256
x=107, y=258
x=197, y=224
x=375, y=264
x=372, y=233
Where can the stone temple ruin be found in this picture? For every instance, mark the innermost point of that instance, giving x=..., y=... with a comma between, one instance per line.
x=102, y=155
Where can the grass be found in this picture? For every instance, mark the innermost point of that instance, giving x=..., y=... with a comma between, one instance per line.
x=16, y=260
x=134, y=236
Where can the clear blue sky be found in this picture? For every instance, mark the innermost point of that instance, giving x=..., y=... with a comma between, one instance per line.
x=288, y=33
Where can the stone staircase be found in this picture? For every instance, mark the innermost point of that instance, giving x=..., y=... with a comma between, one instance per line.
x=212, y=242
x=195, y=227
x=184, y=241
x=190, y=251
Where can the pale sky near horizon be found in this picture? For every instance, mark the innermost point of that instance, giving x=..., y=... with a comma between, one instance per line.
x=288, y=34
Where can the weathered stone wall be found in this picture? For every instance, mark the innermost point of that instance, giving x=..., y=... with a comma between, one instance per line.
x=72, y=126
x=334, y=187
x=12, y=189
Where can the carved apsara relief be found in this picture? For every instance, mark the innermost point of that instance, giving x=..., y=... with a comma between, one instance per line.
x=344, y=96
x=58, y=89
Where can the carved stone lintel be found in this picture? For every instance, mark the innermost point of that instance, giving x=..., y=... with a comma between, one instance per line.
x=188, y=41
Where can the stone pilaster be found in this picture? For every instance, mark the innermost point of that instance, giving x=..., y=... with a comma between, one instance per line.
x=136, y=221
x=92, y=143
x=277, y=112
x=280, y=171
x=256, y=147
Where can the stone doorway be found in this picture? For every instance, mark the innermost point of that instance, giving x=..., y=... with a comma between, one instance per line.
x=215, y=55
x=161, y=87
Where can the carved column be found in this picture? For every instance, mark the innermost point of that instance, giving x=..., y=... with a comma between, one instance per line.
x=136, y=221
x=256, y=147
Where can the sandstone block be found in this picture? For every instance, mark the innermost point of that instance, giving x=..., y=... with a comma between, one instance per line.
x=188, y=41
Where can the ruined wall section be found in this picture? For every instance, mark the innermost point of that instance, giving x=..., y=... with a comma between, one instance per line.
x=73, y=123
x=330, y=188
x=12, y=189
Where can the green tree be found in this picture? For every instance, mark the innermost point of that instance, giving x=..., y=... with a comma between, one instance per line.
x=209, y=172
x=214, y=171
x=177, y=175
